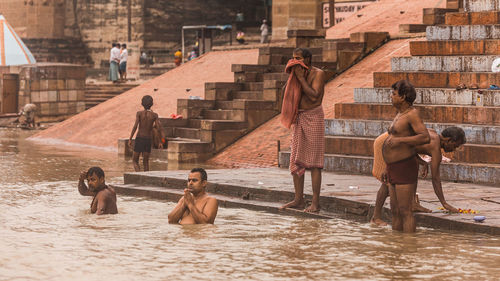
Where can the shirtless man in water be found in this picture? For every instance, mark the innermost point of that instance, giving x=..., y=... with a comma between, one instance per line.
x=308, y=132
x=449, y=140
x=406, y=132
x=146, y=120
x=196, y=206
x=104, y=201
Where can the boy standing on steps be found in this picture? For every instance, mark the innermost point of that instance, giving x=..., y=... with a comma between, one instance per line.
x=147, y=120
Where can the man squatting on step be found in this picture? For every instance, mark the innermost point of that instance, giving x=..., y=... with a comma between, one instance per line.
x=449, y=140
x=302, y=111
x=147, y=120
x=405, y=133
x=104, y=201
x=196, y=206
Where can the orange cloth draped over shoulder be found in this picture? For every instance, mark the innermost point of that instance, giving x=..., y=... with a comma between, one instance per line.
x=291, y=98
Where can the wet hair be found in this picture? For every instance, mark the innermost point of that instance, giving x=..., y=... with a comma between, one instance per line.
x=456, y=134
x=202, y=172
x=97, y=171
x=406, y=89
x=124, y=45
x=147, y=101
x=306, y=53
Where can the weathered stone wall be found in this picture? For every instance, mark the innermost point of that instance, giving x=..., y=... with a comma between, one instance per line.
x=298, y=15
x=58, y=90
x=35, y=18
x=155, y=24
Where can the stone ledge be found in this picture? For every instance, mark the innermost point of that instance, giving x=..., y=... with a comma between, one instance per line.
x=463, y=32
x=429, y=113
x=437, y=79
x=454, y=48
x=431, y=96
x=443, y=63
x=478, y=134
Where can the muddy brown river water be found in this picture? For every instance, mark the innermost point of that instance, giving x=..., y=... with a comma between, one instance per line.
x=47, y=233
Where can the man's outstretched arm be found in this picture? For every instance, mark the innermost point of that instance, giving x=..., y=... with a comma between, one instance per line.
x=436, y=181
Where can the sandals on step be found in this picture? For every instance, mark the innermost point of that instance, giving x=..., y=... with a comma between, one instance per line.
x=474, y=87
x=461, y=86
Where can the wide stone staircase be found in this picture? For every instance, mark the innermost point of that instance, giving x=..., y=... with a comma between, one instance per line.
x=230, y=109
x=70, y=50
x=459, y=52
x=98, y=93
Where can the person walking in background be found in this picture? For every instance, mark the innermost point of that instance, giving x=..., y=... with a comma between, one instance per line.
x=264, y=32
x=114, y=60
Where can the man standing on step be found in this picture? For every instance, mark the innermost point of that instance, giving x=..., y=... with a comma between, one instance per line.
x=405, y=133
x=114, y=60
x=303, y=112
x=196, y=206
x=123, y=63
x=449, y=140
x=147, y=120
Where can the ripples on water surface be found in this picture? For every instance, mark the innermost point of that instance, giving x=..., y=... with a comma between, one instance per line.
x=47, y=233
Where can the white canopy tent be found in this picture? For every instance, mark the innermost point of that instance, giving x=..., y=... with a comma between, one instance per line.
x=12, y=49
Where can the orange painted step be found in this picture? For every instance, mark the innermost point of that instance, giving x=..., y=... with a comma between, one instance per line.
x=429, y=113
x=437, y=79
x=474, y=18
x=470, y=153
x=455, y=48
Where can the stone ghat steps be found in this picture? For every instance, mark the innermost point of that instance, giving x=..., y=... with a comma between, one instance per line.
x=58, y=50
x=429, y=113
x=431, y=96
x=437, y=79
x=476, y=134
x=96, y=94
x=363, y=146
x=473, y=18
x=481, y=5
x=488, y=174
x=463, y=32
x=443, y=63
x=455, y=48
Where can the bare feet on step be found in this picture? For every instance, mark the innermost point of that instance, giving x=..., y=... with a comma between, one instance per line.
x=378, y=222
x=295, y=204
x=312, y=209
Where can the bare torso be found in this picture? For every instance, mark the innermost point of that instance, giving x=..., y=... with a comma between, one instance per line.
x=307, y=102
x=146, y=121
x=106, y=196
x=187, y=217
x=400, y=127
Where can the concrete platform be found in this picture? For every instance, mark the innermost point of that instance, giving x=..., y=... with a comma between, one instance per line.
x=440, y=63
x=431, y=96
x=463, y=32
x=343, y=195
x=478, y=134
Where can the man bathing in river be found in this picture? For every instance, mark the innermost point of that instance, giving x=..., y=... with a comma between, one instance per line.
x=104, y=201
x=196, y=206
x=406, y=132
x=302, y=111
x=449, y=140
x=147, y=120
